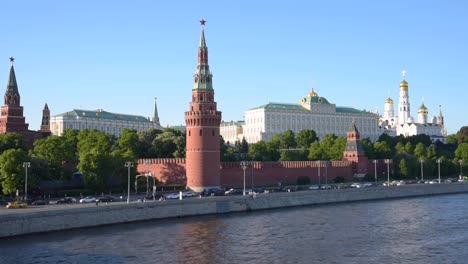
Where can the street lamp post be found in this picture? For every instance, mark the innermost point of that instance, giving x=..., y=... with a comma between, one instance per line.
x=422, y=169
x=326, y=172
x=460, y=161
x=319, y=163
x=388, y=161
x=438, y=162
x=375, y=169
x=129, y=165
x=244, y=165
x=147, y=162
x=26, y=165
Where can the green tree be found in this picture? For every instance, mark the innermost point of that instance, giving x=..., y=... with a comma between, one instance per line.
x=287, y=140
x=462, y=151
x=146, y=138
x=382, y=150
x=128, y=144
x=403, y=168
x=420, y=151
x=305, y=137
x=94, y=150
x=368, y=147
x=258, y=151
x=409, y=148
x=315, y=151
x=55, y=150
x=400, y=148
x=11, y=141
x=12, y=173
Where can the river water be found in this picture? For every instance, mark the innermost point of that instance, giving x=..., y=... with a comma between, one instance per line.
x=416, y=230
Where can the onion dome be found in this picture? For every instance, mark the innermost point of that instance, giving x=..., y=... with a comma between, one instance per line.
x=404, y=83
x=389, y=101
x=423, y=109
x=312, y=93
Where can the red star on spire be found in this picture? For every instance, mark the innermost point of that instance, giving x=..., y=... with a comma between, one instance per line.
x=202, y=22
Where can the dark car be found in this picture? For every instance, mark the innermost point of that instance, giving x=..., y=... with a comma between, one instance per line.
x=105, y=199
x=3, y=202
x=66, y=200
x=212, y=192
x=40, y=202
x=157, y=196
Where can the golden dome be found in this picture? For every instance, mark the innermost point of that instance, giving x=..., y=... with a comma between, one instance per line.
x=423, y=109
x=403, y=85
x=389, y=101
x=312, y=93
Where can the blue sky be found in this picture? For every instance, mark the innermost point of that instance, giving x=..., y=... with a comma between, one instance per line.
x=119, y=55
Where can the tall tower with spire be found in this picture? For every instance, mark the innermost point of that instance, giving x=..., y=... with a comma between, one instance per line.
x=403, y=104
x=202, y=122
x=155, y=115
x=45, y=124
x=12, y=119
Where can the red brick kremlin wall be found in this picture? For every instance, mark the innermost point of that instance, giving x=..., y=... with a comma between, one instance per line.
x=172, y=171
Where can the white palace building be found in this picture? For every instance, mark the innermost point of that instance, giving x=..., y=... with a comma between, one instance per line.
x=312, y=112
x=110, y=123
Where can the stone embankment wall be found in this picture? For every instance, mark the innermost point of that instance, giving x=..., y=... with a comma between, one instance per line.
x=20, y=221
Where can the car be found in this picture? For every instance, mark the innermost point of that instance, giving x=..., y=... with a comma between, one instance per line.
x=212, y=192
x=314, y=187
x=88, y=200
x=15, y=205
x=3, y=202
x=355, y=185
x=233, y=191
x=105, y=199
x=66, y=200
x=157, y=196
x=40, y=202
x=189, y=194
x=172, y=196
x=325, y=187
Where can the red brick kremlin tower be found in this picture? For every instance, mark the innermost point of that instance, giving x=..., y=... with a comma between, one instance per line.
x=354, y=151
x=12, y=119
x=203, y=121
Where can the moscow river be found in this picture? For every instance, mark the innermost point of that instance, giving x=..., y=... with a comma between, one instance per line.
x=417, y=230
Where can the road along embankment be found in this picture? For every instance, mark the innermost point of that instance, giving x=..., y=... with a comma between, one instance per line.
x=56, y=218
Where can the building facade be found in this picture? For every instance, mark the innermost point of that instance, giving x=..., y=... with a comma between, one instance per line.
x=111, y=123
x=405, y=124
x=202, y=127
x=312, y=112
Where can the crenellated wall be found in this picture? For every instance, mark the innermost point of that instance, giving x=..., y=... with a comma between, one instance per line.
x=172, y=171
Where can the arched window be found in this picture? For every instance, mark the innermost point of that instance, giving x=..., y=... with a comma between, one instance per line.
x=200, y=132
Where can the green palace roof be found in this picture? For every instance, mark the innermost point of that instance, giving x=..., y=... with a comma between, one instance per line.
x=99, y=113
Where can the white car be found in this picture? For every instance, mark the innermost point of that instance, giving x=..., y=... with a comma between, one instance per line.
x=314, y=187
x=88, y=200
x=189, y=194
x=172, y=196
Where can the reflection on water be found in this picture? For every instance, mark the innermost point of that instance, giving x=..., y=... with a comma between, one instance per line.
x=418, y=230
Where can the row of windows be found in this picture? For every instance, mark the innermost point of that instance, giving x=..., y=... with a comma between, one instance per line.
x=213, y=133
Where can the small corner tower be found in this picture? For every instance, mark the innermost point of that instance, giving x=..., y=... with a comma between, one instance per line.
x=202, y=122
x=403, y=104
x=45, y=124
x=12, y=119
x=354, y=151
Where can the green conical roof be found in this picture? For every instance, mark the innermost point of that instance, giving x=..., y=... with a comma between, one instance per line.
x=12, y=86
x=203, y=76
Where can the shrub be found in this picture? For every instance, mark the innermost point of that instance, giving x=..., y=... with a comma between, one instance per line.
x=303, y=180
